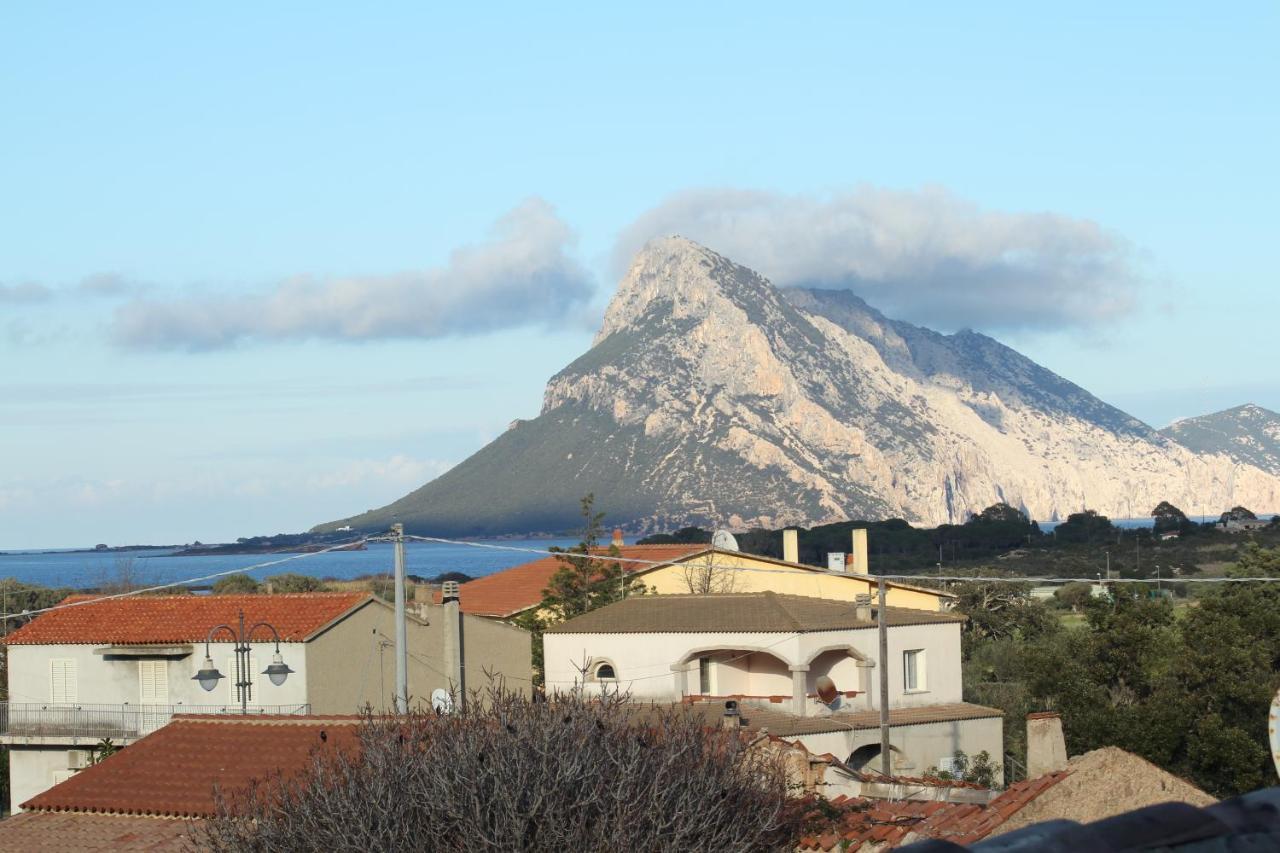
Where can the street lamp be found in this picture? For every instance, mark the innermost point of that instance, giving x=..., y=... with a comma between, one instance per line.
x=208, y=676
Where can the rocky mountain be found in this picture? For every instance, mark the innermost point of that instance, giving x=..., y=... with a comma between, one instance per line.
x=1248, y=434
x=711, y=397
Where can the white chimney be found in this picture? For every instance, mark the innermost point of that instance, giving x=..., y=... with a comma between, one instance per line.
x=835, y=562
x=791, y=545
x=862, y=607
x=1046, y=747
x=860, y=551
x=617, y=538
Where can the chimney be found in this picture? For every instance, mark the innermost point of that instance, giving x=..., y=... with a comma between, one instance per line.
x=617, y=537
x=449, y=592
x=860, y=551
x=862, y=607
x=732, y=718
x=1046, y=748
x=791, y=545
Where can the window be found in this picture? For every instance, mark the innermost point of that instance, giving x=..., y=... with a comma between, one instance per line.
x=62, y=681
x=605, y=672
x=913, y=670
x=704, y=676
x=153, y=682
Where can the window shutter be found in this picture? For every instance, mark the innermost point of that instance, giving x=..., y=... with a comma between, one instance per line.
x=153, y=678
x=230, y=673
x=62, y=681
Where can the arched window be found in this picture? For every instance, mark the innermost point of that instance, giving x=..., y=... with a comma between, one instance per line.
x=604, y=672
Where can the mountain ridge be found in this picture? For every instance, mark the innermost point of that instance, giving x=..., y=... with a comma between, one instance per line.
x=709, y=396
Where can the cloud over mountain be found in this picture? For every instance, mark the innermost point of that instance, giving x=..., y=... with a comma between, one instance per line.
x=927, y=255
x=522, y=275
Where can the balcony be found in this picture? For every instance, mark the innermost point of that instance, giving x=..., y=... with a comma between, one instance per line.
x=34, y=722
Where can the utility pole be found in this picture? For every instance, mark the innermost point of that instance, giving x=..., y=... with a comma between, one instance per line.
x=402, y=632
x=883, y=624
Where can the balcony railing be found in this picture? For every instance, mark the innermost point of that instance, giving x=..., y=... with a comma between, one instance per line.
x=87, y=721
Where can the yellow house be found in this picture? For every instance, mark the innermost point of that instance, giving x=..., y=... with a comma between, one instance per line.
x=702, y=569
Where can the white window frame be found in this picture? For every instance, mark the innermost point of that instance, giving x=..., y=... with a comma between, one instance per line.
x=63, y=687
x=153, y=672
x=601, y=664
x=915, y=659
x=707, y=668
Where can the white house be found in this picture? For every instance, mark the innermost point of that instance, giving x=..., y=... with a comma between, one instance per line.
x=767, y=651
x=120, y=668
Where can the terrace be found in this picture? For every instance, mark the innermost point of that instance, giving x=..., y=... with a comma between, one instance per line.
x=80, y=723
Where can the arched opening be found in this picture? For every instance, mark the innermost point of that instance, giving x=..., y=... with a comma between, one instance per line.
x=605, y=672
x=867, y=757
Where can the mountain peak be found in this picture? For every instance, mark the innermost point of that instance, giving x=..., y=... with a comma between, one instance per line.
x=1248, y=434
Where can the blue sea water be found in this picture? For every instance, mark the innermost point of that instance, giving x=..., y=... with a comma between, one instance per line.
x=82, y=569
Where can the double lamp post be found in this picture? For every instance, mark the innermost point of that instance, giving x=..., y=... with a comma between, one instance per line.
x=209, y=676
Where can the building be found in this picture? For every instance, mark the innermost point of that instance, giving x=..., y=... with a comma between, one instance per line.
x=683, y=569
x=153, y=795
x=767, y=651
x=120, y=668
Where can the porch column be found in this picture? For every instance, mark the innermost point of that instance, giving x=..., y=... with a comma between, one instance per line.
x=864, y=683
x=799, y=702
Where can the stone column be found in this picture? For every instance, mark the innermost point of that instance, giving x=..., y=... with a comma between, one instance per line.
x=799, y=698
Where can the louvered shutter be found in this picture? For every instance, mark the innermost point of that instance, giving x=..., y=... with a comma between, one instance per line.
x=62, y=678
x=230, y=673
x=153, y=679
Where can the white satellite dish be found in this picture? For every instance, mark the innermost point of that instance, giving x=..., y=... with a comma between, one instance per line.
x=441, y=701
x=724, y=540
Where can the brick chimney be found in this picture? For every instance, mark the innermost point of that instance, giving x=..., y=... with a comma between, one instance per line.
x=1046, y=747
x=791, y=545
x=859, y=565
x=617, y=537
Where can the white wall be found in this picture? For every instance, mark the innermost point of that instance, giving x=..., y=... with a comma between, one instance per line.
x=34, y=771
x=116, y=680
x=918, y=747
x=643, y=661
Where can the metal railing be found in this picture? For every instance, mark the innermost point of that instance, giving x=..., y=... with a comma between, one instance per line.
x=92, y=721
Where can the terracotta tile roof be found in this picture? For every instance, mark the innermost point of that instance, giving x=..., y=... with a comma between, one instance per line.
x=769, y=612
x=520, y=587
x=884, y=824
x=91, y=833
x=159, y=619
x=172, y=771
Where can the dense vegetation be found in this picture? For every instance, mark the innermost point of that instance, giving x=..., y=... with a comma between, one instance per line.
x=1186, y=685
x=505, y=772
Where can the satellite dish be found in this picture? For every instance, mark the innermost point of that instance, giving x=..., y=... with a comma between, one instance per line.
x=441, y=701
x=724, y=540
x=827, y=692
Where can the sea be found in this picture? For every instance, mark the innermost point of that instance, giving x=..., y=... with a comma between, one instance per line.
x=88, y=569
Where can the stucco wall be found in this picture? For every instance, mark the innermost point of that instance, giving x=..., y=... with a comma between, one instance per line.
x=359, y=668
x=32, y=772
x=643, y=661
x=115, y=680
x=920, y=747
x=778, y=578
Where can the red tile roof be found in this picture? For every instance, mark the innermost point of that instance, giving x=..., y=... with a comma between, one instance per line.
x=159, y=619
x=172, y=771
x=892, y=823
x=520, y=587
x=91, y=833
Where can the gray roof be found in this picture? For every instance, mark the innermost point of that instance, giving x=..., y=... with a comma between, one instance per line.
x=736, y=612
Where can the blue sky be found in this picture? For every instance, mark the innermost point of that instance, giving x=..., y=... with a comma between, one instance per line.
x=265, y=266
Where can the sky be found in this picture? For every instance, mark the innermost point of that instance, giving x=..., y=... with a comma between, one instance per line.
x=266, y=265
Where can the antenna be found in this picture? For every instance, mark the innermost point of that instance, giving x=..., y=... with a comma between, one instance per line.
x=724, y=540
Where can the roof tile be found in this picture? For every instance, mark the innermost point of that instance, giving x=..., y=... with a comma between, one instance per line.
x=159, y=619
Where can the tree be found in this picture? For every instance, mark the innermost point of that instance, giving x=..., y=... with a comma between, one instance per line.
x=584, y=581
x=507, y=772
x=703, y=576
x=1168, y=518
x=683, y=536
x=998, y=609
x=1084, y=527
x=1237, y=513
x=238, y=584
x=1074, y=595
x=292, y=582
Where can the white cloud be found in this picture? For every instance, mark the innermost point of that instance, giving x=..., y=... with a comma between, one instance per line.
x=522, y=275
x=926, y=255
